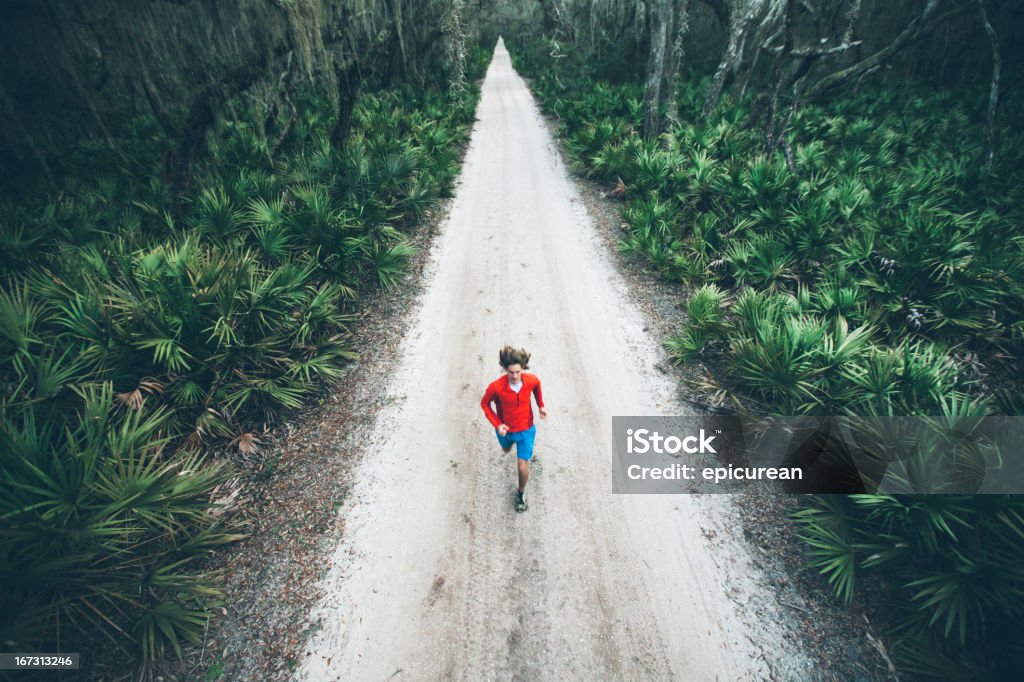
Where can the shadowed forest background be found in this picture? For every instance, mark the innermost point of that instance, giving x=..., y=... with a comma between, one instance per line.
x=198, y=197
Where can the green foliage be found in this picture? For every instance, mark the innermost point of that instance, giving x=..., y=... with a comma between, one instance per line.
x=883, y=276
x=958, y=560
x=885, y=230
x=138, y=329
x=704, y=313
x=102, y=527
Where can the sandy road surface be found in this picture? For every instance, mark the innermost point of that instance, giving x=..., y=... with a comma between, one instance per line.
x=437, y=576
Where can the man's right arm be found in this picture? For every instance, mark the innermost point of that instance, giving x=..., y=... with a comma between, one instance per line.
x=489, y=395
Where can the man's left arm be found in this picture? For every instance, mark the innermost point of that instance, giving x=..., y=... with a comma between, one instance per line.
x=539, y=397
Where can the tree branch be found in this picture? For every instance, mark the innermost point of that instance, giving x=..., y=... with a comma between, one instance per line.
x=915, y=29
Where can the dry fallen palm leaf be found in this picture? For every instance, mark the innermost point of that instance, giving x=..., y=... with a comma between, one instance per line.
x=224, y=498
x=151, y=386
x=135, y=399
x=248, y=443
x=716, y=393
x=132, y=399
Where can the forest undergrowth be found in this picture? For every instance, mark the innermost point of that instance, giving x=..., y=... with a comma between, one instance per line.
x=141, y=331
x=877, y=271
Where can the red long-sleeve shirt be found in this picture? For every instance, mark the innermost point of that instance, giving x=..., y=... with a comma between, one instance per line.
x=512, y=409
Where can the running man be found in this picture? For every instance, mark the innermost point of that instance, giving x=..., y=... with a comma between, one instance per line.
x=513, y=417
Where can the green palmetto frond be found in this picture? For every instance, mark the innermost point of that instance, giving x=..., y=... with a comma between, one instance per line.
x=764, y=181
x=263, y=213
x=704, y=309
x=217, y=215
x=851, y=195
x=273, y=240
x=704, y=178
x=651, y=217
x=738, y=255
x=611, y=161
x=266, y=395
x=21, y=313
x=778, y=362
x=186, y=392
x=326, y=362
x=842, y=346
x=103, y=481
x=810, y=156
x=809, y=228
x=703, y=323
x=874, y=380
x=589, y=139
x=927, y=374
x=20, y=243
x=324, y=158
x=855, y=250
x=921, y=655
x=84, y=319
x=950, y=599
x=394, y=172
x=168, y=622
x=49, y=374
x=828, y=531
x=421, y=195
x=316, y=222
x=653, y=169
x=770, y=265
x=834, y=299
x=390, y=263
x=167, y=353
x=754, y=309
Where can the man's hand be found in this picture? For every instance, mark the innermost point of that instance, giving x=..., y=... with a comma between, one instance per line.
x=543, y=413
x=502, y=430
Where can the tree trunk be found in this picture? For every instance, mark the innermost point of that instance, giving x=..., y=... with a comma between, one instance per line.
x=993, y=94
x=348, y=84
x=396, y=18
x=682, y=25
x=743, y=15
x=593, y=26
x=661, y=21
x=454, y=45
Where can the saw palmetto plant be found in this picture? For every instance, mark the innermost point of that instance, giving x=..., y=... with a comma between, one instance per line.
x=102, y=525
x=848, y=271
x=102, y=530
x=871, y=196
x=140, y=328
x=956, y=559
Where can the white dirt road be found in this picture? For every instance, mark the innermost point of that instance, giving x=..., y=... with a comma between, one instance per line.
x=437, y=576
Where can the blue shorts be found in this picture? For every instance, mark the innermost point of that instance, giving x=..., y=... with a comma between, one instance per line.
x=522, y=439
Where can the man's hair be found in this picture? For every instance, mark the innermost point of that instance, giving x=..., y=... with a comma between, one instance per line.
x=513, y=356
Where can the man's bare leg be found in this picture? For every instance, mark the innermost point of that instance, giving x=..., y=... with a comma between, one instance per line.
x=524, y=473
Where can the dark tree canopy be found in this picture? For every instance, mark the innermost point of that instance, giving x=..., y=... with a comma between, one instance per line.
x=74, y=70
